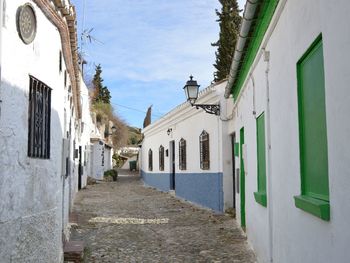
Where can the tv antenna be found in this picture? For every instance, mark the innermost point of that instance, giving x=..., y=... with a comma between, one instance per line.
x=85, y=36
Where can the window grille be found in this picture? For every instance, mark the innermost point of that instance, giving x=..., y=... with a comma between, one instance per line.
x=150, y=160
x=204, y=151
x=39, y=119
x=161, y=158
x=182, y=154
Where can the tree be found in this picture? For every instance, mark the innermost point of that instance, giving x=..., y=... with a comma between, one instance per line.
x=101, y=93
x=229, y=22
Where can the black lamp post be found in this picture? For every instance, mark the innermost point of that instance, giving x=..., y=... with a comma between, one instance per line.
x=191, y=90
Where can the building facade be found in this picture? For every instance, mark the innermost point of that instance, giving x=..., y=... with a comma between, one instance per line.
x=40, y=128
x=183, y=151
x=290, y=125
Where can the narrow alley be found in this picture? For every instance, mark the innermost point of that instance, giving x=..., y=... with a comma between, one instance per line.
x=125, y=221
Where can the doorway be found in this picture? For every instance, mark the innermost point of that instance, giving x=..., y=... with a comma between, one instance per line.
x=242, y=178
x=233, y=153
x=172, y=165
x=80, y=168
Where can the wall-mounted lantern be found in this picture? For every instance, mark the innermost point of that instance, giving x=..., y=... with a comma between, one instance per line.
x=191, y=90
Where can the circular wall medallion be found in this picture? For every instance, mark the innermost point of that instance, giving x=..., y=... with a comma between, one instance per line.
x=26, y=23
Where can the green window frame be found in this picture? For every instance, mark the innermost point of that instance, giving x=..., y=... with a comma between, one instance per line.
x=314, y=196
x=260, y=195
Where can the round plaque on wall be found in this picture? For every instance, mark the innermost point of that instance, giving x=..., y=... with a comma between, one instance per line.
x=26, y=23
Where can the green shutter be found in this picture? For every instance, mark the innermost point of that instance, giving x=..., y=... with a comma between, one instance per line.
x=260, y=195
x=313, y=131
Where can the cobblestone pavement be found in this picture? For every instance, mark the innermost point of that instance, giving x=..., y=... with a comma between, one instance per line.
x=110, y=221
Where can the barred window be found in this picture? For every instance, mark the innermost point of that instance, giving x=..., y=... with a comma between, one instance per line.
x=150, y=160
x=204, y=150
x=182, y=154
x=161, y=158
x=39, y=119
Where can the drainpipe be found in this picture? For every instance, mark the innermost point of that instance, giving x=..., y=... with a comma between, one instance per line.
x=220, y=164
x=254, y=95
x=269, y=170
x=247, y=21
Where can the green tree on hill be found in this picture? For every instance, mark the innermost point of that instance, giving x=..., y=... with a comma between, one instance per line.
x=101, y=92
x=229, y=22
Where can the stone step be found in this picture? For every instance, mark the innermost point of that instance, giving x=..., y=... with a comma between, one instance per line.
x=73, y=251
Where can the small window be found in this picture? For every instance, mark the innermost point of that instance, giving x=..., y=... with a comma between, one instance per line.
x=65, y=78
x=150, y=160
x=204, y=151
x=39, y=119
x=60, y=61
x=260, y=195
x=182, y=154
x=161, y=158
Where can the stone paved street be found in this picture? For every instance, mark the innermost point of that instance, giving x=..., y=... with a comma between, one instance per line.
x=110, y=222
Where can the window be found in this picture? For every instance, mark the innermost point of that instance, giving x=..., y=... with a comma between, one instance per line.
x=314, y=196
x=260, y=195
x=150, y=160
x=204, y=150
x=39, y=119
x=60, y=62
x=182, y=154
x=161, y=158
x=65, y=78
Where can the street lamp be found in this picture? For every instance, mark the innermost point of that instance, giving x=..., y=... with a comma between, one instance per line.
x=191, y=90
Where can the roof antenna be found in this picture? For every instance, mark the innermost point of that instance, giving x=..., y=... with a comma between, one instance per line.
x=85, y=36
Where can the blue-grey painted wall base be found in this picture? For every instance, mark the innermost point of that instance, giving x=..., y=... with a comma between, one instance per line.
x=204, y=189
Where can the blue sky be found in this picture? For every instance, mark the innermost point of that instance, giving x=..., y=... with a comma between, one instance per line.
x=149, y=50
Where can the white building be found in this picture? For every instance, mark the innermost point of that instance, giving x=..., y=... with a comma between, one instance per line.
x=39, y=128
x=101, y=158
x=173, y=158
x=290, y=84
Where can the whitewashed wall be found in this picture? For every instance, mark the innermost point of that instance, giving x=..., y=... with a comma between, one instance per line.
x=281, y=231
x=87, y=128
x=188, y=123
x=101, y=159
x=30, y=189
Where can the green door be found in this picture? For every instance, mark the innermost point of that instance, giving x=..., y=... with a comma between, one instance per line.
x=242, y=184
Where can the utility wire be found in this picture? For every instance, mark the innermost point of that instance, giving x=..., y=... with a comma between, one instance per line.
x=127, y=107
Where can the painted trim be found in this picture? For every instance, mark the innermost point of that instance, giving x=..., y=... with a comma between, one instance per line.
x=314, y=206
x=242, y=179
x=316, y=203
x=203, y=189
x=160, y=181
x=236, y=149
x=260, y=194
x=257, y=34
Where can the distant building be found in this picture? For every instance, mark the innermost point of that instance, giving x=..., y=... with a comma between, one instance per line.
x=183, y=151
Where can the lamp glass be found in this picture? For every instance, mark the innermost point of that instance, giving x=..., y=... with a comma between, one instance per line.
x=192, y=92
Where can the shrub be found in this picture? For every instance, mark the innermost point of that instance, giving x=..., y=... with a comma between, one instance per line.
x=112, y=174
